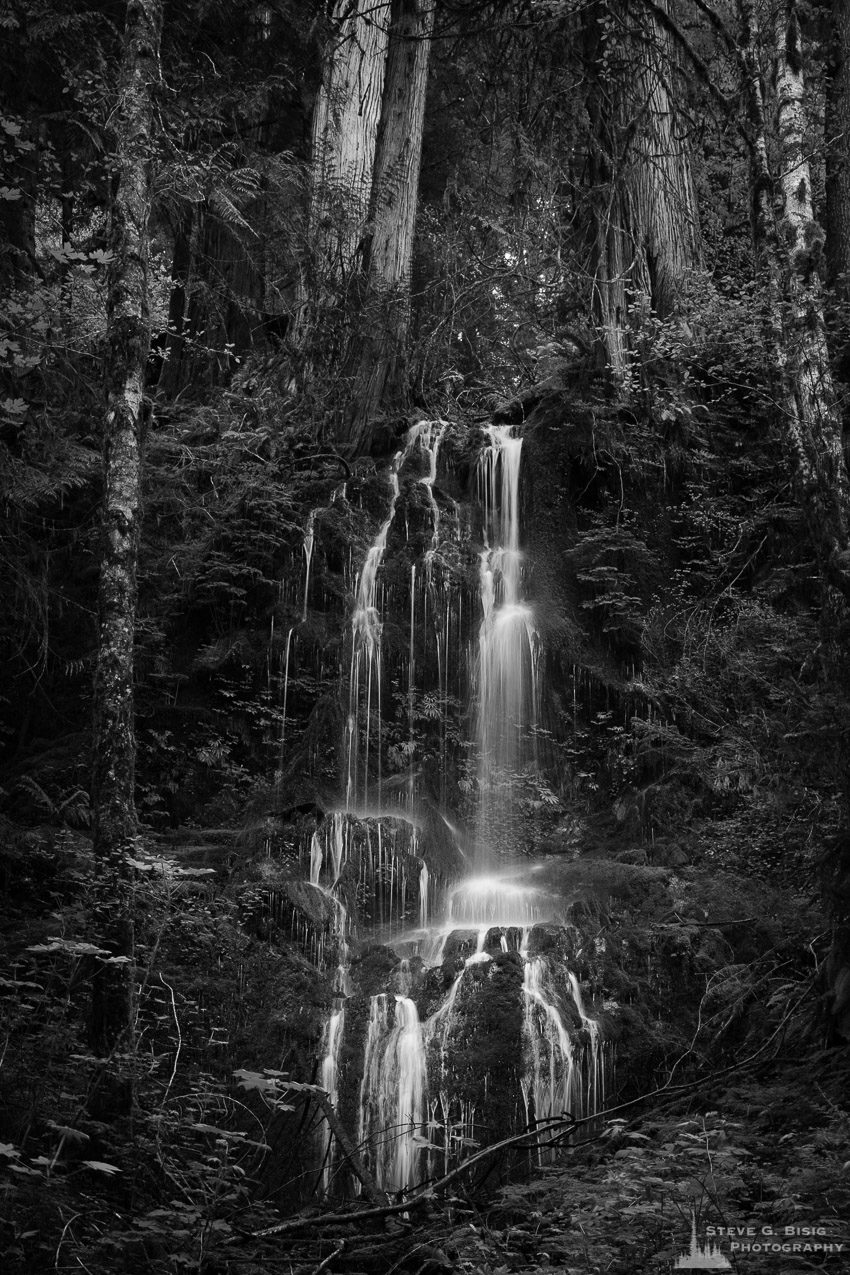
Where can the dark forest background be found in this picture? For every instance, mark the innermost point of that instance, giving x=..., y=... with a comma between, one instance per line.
x=243, y=246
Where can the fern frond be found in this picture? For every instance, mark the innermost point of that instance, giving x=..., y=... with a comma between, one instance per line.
x=221, y=203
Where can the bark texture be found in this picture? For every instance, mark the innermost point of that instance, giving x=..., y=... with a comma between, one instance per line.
x=345, y=132
x=664, y=209
x=128, y=331
x=791, y=254
x=837, y=133
x=812, y=416
x=645, y=236
x=376, y=359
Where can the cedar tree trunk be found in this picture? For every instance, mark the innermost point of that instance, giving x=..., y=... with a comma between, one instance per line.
x=345, y=131
x=645, y=235
x=376, y=358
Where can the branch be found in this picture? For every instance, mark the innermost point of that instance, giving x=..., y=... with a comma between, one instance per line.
x=560, y=1123
x=557, y=1124
x=664, y=20
x=346, y=1146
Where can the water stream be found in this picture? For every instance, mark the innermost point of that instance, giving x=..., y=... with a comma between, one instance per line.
x=420, y=1102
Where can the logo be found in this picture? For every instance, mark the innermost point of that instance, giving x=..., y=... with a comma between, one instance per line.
x=752, y=1237
x=708, y=1258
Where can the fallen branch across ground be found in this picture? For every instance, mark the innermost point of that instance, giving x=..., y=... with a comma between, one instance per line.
x=530, y=1137
x=555, y=1129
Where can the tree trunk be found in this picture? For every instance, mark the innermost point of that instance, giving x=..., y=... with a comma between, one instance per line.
x=376, y=358
x=128, y=335
x=610, y=247
x=812, y=416
x=837, y=133
x=645, y=234
x=790, y=255
x=345, y=131
x=664, y=211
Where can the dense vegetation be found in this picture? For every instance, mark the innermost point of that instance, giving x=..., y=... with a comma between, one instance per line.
x=608, y=254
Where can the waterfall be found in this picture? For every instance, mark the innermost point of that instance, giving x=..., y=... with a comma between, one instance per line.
x=419, y=1091
x=285, y=695
x=332, y=1042
x=365, y=679
x=392, y=1092
x=552, y=1081
x=309, y=541
x=507, y=652
x=366, y=627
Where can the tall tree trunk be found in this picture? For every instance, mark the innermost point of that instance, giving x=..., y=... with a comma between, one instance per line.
x=609, y=240
x=812, y=416
x=376, y=358
x=664, y=209
x=646, y=232
x=128, y=334
x=791, y=255
x=837, y=133
x=345, y=131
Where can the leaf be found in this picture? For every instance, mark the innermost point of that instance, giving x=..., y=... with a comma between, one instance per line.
x=101, y=1167
x=419, y=1141
x=69, y=1134
x=69, y=946
x=254, y=1080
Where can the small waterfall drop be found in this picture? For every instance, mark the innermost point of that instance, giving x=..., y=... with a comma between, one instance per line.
x=507, y=652
x=309, y=542
x=393, y=1092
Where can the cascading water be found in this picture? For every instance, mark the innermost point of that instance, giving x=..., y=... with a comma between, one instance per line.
x=507, y=652
x=427, y=1084
x=365, y=679
x=392, y=1092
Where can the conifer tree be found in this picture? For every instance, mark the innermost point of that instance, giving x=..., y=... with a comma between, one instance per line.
x=646, y=225
x=377, y=354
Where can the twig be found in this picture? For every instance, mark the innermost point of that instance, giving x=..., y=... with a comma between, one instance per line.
x=423, y=1197
x=71, y=1219
x=370, y=1186
x=327, y=1261
x=179, y=1038
x=559, y=1124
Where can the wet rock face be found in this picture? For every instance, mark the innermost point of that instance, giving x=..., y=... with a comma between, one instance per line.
x=484, y=955
x=453, y=1017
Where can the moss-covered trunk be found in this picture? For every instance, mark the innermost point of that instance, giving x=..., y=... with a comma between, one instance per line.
x=837, y=139
x=790, y=258
x=128, y=331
